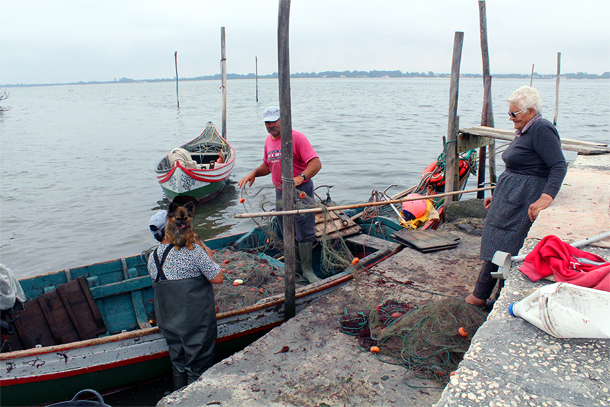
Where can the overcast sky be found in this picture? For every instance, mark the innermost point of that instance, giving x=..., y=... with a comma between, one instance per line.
x=56, y=41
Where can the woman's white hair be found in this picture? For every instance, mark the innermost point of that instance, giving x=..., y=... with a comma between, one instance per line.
x=526, y=97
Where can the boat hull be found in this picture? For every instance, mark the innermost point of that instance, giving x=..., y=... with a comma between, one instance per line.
x=196, y=171
x=52, y=373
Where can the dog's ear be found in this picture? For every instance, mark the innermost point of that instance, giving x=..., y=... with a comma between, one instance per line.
x=190, y=206
x=171, y=208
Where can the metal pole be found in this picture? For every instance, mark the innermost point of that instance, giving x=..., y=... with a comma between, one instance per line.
x=223, y=64
x=287, y=166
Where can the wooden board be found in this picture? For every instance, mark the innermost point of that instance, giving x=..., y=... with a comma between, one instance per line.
x=64, y=315
x=337, y=224
x=426, y=240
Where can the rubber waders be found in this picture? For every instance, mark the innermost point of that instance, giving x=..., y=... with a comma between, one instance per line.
x=305, y=252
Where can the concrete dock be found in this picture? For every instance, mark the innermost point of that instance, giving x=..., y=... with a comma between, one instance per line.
x=307, y=361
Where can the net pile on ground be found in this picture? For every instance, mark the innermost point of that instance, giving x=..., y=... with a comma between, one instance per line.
x=429, y=341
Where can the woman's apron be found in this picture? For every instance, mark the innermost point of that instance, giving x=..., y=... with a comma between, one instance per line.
x=185, y=312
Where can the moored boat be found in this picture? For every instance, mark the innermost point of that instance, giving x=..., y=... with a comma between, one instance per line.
x=199, y=168
x=93, y=326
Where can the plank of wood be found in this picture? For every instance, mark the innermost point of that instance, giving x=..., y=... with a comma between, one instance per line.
x=581, y=147
x=333, y=224
x=427, y=240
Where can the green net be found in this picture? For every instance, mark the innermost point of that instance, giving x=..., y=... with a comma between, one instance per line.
x=428, y=341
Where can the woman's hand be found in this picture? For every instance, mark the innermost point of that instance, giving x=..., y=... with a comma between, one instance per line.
x=542, y=203
x=487, y=202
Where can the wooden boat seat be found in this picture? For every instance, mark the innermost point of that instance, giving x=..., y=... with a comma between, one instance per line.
x=66, y=314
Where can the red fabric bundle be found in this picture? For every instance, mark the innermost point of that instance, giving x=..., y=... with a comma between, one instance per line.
x=552, y=256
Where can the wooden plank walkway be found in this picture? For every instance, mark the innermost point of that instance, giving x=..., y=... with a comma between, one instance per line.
x=581, y=147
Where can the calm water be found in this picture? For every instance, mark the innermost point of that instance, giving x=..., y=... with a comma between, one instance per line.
x=77, y=162
x=77, y=169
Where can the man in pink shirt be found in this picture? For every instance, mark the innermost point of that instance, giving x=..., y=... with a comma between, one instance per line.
x=306, y=165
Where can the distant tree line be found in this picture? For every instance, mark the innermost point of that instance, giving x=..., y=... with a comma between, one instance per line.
x=341, y=74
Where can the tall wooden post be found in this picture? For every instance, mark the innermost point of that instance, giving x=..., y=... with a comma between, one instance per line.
x=223, y=74
x=492, y=146
x=176, y=64
x=256, y=75
x=287, y=167
x=451, y=171
x=557, y=88
x=487, y=112
x=532, y=76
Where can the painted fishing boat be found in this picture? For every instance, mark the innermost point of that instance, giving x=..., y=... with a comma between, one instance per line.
x=199, y=168
x=93, y=326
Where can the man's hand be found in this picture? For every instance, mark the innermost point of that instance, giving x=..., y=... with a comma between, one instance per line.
x=247, y=179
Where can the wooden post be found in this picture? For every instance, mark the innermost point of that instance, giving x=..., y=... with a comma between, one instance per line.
x=492, y=146
x=287, y=167
x=451, y=171
x=557, y=88
x=223, y=70
x=487, y=118
x=176, y=64
x=532, y=76
x=256, y=75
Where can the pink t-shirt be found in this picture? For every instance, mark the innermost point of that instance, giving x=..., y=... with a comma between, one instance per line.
x=302, y=150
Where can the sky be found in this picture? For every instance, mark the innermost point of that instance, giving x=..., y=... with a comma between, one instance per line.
x=59, y=41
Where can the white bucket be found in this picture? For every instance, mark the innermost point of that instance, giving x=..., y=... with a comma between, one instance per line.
x=566, y=311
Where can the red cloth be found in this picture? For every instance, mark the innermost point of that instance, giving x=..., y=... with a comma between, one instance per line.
x=567, y=263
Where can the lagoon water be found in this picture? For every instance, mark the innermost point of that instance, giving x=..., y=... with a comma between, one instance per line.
x=77, y=177
x=77, y=169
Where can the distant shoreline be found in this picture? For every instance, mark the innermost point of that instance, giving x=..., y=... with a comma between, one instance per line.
x=328, y=74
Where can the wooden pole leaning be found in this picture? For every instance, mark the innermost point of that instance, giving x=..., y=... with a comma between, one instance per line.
x=223, y=71
x=176, y=64
x=287, y=165
x=451, y=170
x=355, y=206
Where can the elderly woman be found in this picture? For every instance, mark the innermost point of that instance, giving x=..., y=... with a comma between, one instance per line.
x=535, y=168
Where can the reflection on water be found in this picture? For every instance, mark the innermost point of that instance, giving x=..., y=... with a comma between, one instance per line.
x=77, y=169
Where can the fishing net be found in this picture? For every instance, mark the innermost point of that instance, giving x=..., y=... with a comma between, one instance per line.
x=248, y=279
x=335, y=254
x=429, y=341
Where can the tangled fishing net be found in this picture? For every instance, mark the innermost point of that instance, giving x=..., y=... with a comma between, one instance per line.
x=429, y=341
x=259, y=277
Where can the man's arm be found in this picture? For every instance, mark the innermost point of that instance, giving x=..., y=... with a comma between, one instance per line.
x=313, y=167
x=260, y=171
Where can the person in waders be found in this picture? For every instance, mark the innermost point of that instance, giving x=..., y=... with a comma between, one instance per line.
x=184, y=303
x=306, y=164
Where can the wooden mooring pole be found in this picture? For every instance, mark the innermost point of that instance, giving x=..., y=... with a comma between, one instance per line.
x=532, y=76
x=176, y=65
x=487, y=118
x=287, y=166
x=557, y=88
x=256, y=75
x=451, y=172
x=223, y=70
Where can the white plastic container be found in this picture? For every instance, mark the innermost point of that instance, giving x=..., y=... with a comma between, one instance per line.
x=566, y=311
